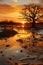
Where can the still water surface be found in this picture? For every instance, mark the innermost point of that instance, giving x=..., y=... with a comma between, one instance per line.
x=18, y=48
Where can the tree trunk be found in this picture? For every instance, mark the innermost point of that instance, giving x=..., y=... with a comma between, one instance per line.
x=33, y=24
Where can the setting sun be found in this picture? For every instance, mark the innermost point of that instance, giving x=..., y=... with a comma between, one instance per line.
x=23, y=22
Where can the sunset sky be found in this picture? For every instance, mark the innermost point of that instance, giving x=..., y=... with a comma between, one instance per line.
x=10, y=9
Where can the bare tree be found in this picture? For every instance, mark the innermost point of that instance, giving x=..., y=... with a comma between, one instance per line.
x=32, y=13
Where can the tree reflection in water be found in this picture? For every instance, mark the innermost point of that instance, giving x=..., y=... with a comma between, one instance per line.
x=20, y=47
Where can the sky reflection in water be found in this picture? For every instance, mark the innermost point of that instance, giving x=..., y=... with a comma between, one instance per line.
x=13, y=51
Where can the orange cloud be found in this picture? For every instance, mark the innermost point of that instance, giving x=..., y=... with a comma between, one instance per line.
x=8, y=12
x=6, y=9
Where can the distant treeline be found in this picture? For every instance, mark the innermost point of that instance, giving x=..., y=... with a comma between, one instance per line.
x=37, y=25
x=6, y=22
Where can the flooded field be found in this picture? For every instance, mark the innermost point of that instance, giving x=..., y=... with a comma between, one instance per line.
x=23, y=48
